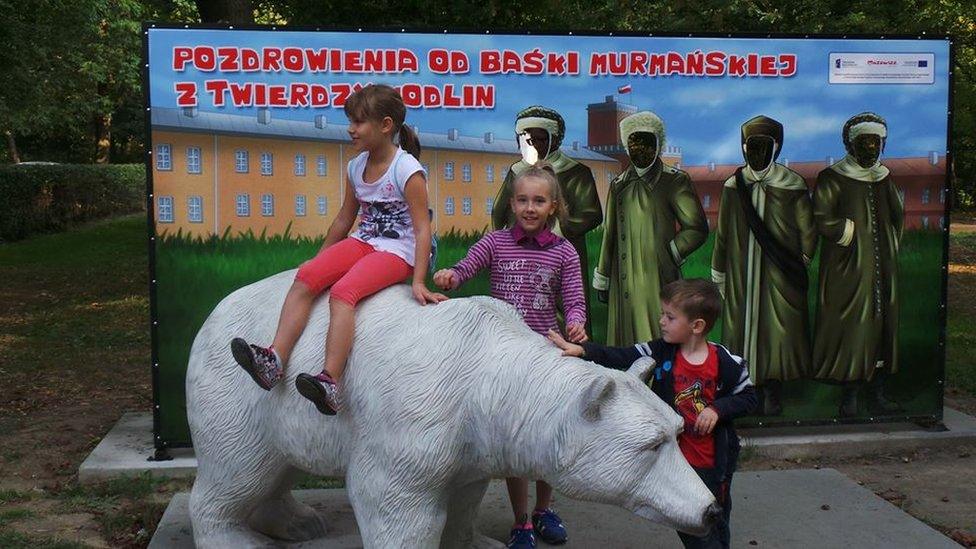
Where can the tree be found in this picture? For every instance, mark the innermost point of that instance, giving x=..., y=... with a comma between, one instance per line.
x=72, y=89
x=226, y=11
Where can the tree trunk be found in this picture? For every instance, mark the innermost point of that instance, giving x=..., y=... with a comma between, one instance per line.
x=226, y=11
x=103, y=138
x=12, y=147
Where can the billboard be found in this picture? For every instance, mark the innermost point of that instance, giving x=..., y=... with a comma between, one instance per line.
x=832, y=268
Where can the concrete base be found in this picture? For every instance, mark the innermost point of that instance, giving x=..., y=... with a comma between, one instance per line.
x=856, y=440
x=125, y=449
x=795, y=508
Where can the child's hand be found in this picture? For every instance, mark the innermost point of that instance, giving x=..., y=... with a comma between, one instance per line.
x=446, y=279
x=577, y=333
x=425, y=296
x=569, y=349
x=706, y=421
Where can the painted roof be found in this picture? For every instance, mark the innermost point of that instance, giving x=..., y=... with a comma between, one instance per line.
x=169, y=119
x=900, y=167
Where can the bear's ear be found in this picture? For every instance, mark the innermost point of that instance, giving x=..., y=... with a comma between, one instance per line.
x=642, y=368
x=596, y=397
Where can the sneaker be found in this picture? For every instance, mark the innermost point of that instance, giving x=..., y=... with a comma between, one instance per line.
x=262, y=363
x=321, y=389
x=549, y=526
x=521, y=538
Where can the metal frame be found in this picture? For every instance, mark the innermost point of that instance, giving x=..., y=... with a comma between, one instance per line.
x=933, y=421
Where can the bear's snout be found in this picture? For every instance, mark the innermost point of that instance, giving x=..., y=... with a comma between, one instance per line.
x=712, y=513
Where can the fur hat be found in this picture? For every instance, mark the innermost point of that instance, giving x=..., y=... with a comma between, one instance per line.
x=547, y=119
x=865, y=122
x=643, y=121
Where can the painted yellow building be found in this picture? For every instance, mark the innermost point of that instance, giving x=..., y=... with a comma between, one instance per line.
x=215, y=172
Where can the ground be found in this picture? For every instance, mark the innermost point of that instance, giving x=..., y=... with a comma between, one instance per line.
x=74, y=349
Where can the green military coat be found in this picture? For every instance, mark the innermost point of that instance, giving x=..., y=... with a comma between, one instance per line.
x=765, y=318
x=856, y=325
x=653, y=223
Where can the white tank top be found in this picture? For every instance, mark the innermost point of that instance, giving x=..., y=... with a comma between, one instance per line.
x=384, y=216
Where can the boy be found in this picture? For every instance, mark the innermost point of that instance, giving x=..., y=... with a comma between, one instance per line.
x=702, y=381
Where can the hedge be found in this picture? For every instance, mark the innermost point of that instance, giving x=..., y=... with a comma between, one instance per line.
x=46, y=198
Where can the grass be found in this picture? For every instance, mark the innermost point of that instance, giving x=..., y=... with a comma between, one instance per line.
x=13, y=496
x=16, y=540
x=310, y=482
x=73, y=303
x=74, y=353
x=960, y=332
x=125, y=509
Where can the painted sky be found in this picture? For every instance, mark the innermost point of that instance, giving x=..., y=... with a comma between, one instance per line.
x=702, y=115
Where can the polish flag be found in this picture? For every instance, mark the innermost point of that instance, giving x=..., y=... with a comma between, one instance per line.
x=624, y=89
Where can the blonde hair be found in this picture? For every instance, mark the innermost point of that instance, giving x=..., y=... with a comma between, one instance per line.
x=377, y=101
x=544, y=171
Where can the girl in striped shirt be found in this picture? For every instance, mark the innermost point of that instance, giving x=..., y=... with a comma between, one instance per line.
x=530, y=266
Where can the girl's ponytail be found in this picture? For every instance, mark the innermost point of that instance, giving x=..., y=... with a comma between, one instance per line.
x=410, y=141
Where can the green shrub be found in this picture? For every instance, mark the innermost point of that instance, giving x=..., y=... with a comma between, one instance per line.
x=46, y=198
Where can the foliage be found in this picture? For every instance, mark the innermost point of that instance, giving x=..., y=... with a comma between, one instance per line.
x=69, y=66
x=42, y=198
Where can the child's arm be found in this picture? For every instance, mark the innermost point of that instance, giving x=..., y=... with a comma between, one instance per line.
x=741, y=400
x=415, y=191
x=344, y=220
x=618, y=358
x=574, y=304
x=478, y=258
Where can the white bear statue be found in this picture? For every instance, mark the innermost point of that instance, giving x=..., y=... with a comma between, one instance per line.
x=436, y=401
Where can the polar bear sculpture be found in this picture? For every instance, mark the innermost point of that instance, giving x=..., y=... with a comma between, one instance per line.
x=437, y=401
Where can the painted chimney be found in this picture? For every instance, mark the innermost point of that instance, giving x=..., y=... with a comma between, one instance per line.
x=189, y=112
x=785, y=162
x=489, y=137
x=320, y=121
x=264, y=116
x=830, y=160
x=711, y=166
x=933, y=158
x=576, y=145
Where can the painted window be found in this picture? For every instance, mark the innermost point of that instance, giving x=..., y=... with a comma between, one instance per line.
x=194, y=209
x=164, y=157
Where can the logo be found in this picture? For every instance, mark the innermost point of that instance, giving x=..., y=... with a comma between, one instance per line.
x=837, y=62
x=692, y=393
x=923, y=63
x=882, y=62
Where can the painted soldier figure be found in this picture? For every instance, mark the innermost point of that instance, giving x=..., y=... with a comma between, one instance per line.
x=654, y=221
x=545, y=129
x=860, y=215
x=764, y=241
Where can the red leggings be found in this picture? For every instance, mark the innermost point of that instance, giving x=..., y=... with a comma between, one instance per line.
x=354, y=270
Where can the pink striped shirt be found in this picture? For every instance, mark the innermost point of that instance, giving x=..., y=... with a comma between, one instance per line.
x=529, y=272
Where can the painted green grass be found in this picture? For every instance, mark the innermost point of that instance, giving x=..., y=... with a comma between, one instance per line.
x=195, y=274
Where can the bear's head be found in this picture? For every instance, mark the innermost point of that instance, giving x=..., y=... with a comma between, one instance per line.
x=618, y=444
